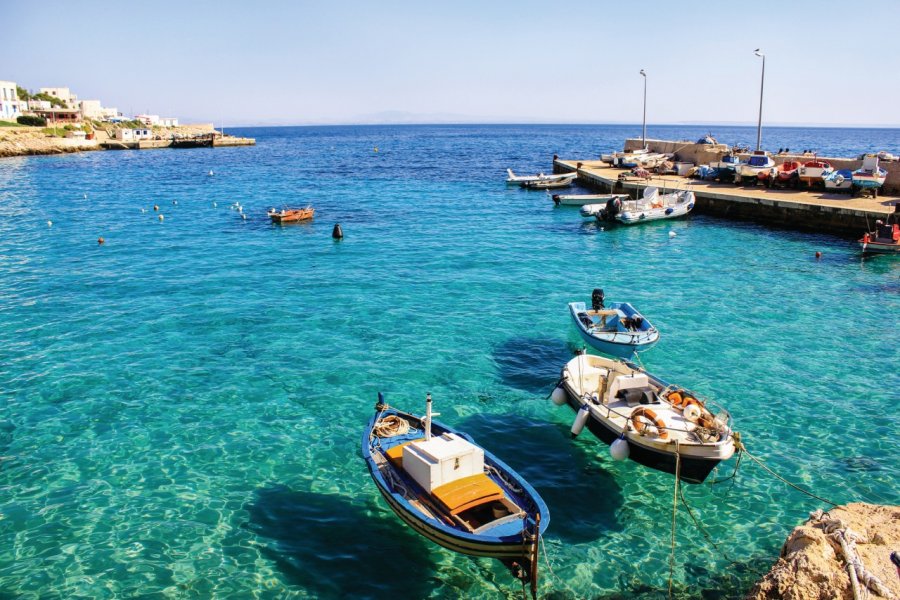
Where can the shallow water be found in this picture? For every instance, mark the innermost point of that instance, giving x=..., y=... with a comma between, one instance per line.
x=180, y=408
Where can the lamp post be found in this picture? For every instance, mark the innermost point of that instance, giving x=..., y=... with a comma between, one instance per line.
x=644, y=128
x=762, y=82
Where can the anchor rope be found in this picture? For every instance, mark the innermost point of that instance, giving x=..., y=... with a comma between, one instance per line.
x=674, y=513
x=758, y=461
x=547, y=558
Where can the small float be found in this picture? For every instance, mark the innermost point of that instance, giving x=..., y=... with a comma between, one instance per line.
x=452, y=491
x=584, y=199
x=291, y=215
x=652, y=206
x=618, y=329
x=885, y=239
x=869, y=176
x=643, y=418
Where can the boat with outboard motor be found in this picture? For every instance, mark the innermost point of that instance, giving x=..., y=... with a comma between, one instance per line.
x=644, y=418
x=452, y=491
x=618, y=329
x=652, y=206
x=551, y=182
x=521, y=180
x=884, y=239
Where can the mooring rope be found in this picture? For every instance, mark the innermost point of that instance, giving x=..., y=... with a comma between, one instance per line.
x=741, y=446
x=674, y=513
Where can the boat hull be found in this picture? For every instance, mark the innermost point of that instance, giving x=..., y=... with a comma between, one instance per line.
x=630, y=217
x=622, y=344
x=879, y=248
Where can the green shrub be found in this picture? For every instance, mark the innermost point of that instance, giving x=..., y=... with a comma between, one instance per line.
x=31, y=120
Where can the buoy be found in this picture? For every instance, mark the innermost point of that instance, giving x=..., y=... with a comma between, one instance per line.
x=558, y=396
x=818, y=255
x=101, y=241
x=602, y=229
x=241, y=209
x=337, y=233
x=84, y=196
x=692, y=413
x=215, y=204
x=49, y=223
x=161, y=217
x=143, y=210
x=619, y=449
x=376, y=148
x=156, y=207
x=210, y=174
x=243, y=216
x=672, y=234
x=581, y=418
x=174, y=201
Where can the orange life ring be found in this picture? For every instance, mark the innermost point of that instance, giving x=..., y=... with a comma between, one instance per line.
x=640, y=425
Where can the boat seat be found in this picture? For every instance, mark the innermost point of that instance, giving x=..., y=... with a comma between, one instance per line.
x=467, y=492
x=395, y=453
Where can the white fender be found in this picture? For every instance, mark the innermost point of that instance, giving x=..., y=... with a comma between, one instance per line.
x=580, y=419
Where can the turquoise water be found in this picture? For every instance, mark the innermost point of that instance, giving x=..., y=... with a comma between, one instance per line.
x=180, y=408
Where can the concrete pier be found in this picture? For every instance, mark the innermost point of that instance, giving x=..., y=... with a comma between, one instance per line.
x=796, y=209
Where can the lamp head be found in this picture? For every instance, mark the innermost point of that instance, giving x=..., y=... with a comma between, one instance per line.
x=758, y=53
x=642, y=73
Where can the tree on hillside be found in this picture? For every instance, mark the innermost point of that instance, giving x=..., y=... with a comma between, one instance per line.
x=22, y=93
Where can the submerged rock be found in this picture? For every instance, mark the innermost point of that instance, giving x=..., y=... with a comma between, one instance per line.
x=812, y=564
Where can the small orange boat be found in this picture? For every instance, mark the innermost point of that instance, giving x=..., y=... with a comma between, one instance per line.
x=291, y=215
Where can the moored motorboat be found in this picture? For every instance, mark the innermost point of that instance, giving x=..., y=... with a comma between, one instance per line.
x=652, y=206
x=291, y=215
x=813, y=172
x=584, y=199
x=592, y=211
x=839, y=181
x=869, y=176
x=617, y=329
x=513, y=179
x=628, y=159
x=884, y=239
x=452, y=491
x=551, y=182
x=642, y=417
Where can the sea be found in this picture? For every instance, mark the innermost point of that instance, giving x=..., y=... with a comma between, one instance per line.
x=181, y=407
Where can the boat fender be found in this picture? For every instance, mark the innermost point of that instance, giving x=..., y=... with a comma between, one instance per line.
x=556, y=199
x=558, y=396
x=866, y=236
x=692, y=413
x=581, y=418
x=619, y=449
x=643, y=414
x=670, y=210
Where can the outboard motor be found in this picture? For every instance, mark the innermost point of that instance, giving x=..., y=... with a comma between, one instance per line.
x=597, y=299
x=637, y=321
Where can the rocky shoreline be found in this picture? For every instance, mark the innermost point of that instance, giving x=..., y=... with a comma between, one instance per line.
x=813, y=566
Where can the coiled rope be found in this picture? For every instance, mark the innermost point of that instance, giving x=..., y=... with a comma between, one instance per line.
x=390, y=426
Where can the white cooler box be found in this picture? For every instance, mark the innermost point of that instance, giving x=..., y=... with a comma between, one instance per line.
x=442, y=460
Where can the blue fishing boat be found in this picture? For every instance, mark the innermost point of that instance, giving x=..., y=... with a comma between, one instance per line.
x=452, y=491
x=618, y=330
x=870, y=176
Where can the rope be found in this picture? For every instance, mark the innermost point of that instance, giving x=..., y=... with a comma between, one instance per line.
x=547, y=558
x=674, y=513
x=779, y=477
x=390, y=426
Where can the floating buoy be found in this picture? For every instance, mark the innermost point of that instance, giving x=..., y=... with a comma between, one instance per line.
x=672, y=234
x=49, y=223
x=241, y=209
x=337, y=233
x=376, y=148
x=558, y=396
x=215, y=204
x=581, y=418
x=818, y=255
x=174, y=201
x=602, y=229
x=161, y=217
x=156, y=207
x=210, y=174
x=143, y=210
x=101, y=241
x=84, y=196
x=243, y=216
x=619, y=449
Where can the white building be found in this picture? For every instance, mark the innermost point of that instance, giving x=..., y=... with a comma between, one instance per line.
x=10, y=106
x=131, y=135
x=91, y=109
x=37, y=105
x=109, y=113
x=168, y=122
x=148, y=120
x=63, y=93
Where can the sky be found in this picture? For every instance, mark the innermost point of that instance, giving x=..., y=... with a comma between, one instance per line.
x=348, y=62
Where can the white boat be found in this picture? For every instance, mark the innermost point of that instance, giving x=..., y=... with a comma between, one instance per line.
x=629, y=159
x=652, y=206
x=839, y=181
x=869, y=176
x=584, y=199
x=758, y=162
x=513, y=179
x=644, y=418
x=551, y=181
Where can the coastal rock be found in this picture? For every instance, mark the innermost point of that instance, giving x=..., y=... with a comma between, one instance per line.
x=812, y=566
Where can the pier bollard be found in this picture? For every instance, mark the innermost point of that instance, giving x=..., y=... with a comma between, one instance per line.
x=337, y=233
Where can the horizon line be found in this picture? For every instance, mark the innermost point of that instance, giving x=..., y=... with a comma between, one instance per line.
x=538, y=123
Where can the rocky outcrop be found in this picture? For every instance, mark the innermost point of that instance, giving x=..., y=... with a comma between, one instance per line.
x=812, y=564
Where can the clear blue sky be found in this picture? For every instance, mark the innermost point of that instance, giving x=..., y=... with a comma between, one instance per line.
x=246, y=63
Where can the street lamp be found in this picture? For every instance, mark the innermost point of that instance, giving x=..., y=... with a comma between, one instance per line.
x=644, y=129
x=762, y=81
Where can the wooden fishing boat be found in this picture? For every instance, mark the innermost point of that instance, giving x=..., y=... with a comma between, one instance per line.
x=838, y=181
x=291, y=215
x=548, y=182
x=758, y=162
x=885, y=239
x=584, y=199
x=513, y=179
x=652, y=206
x=643, y=418
x=618, y=329
x=452, y=491
x=869, y=176
x=813, y=172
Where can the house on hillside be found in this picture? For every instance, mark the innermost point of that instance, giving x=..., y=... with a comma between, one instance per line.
x=10, y=105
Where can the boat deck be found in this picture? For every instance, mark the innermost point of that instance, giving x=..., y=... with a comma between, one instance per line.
x=804, y=209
